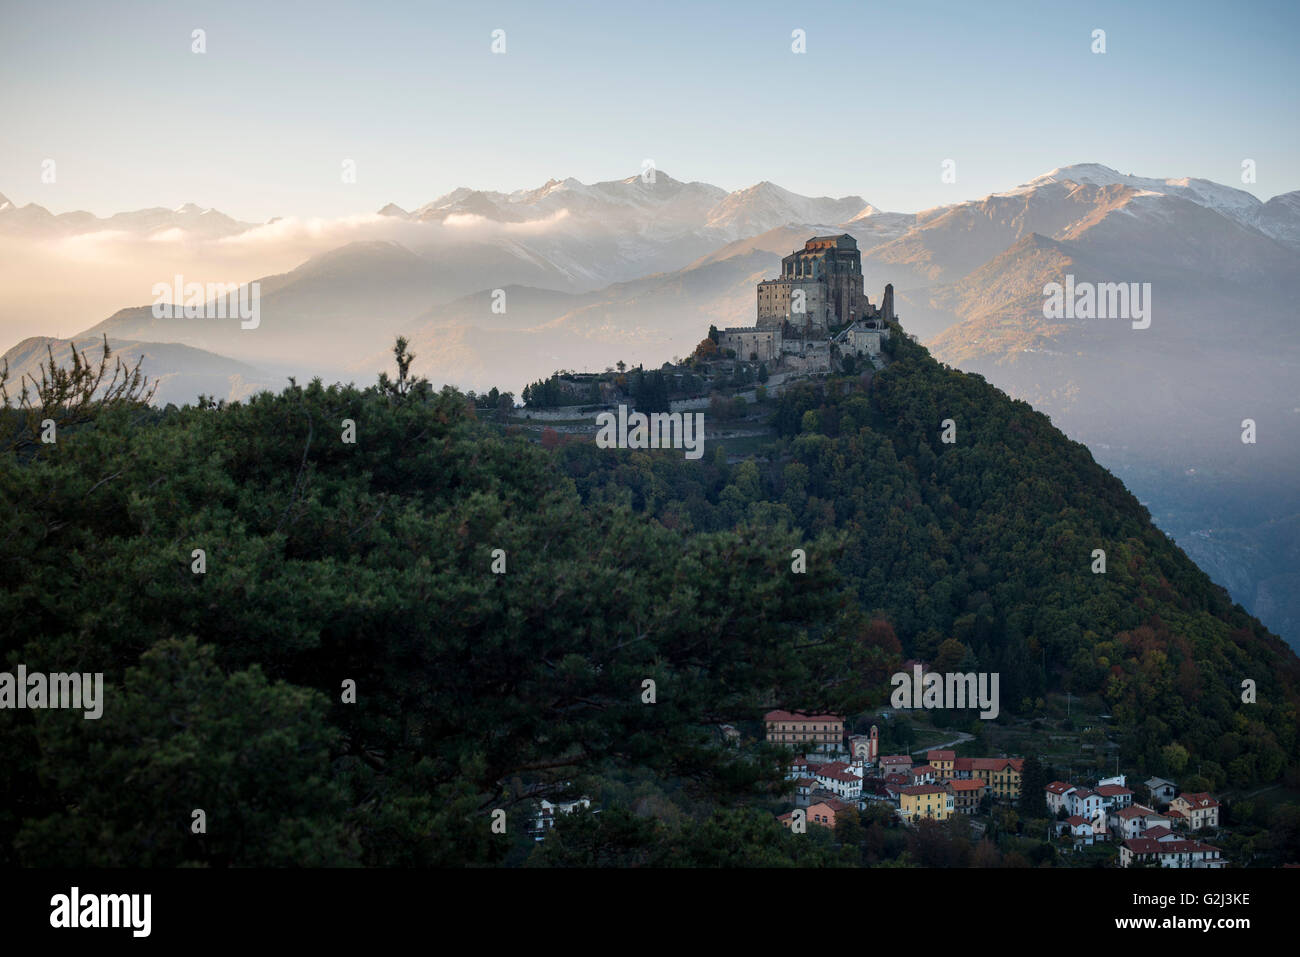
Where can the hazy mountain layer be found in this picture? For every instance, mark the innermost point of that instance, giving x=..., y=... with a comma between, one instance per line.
x=631, y=270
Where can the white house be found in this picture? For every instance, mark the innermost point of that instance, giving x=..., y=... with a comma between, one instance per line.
x=1057, y=793
x=546, y=813
x=1084, y=803
x=921, y=774
x=1114, y=796
x=1080, y=829
x=800, y=767
x=1174, y=854
x=839, y=778
x=1162, y=791
x=1130, y=822
x=1160, y=833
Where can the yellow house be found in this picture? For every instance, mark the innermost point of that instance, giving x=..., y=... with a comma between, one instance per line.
x=1001, y=774
x=942, y=762
x=925, y=800
x=1198, y=810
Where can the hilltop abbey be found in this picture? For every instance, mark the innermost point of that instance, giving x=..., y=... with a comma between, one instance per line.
x=813, y=319
x=815, y=307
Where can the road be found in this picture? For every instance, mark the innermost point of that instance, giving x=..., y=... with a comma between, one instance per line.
x=961, y=736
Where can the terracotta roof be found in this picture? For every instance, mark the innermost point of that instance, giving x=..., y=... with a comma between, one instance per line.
x=940, y=755
x=1199, y=800
x=834, y=775
x=969, y=784
x=1112, y=790
x=1060, y=787
x=1145, y=845
x=800, y=717
x=996, y=764
x=1084, y=793
x=835, y=804
x=1137, y=810
x=1157, y=832
x=1142, y=845
x=924, y=789
x=1075, y=820
x=897, y=759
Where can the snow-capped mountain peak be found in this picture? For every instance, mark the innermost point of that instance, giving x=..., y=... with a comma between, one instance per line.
x=766, y=205
x=1236, y=204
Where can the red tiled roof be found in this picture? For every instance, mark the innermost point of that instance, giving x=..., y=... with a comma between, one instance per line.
x=1060, y=787
x=835, y=804
x=1075, y=821
x=996, y=764
x=1137, y=810
x=1142, y=845
x=940, y=755
x=834, y=775
x=1145, y=845
x=1112, y=790
x=797, y=717
x=1199, y=800
x=924, y=789
x=969, y=784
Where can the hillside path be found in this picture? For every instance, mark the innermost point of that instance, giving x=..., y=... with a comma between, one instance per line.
x=961, y=736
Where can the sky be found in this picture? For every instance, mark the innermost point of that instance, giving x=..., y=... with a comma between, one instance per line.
x=261, y=123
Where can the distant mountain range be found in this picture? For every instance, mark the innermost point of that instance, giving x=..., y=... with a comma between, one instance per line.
x=636, y=271
x=36, y=221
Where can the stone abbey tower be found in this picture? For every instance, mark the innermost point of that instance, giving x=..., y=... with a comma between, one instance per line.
x=820, y=286
x=819, y=290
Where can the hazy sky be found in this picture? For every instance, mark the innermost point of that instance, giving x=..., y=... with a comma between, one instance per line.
x=260, y=124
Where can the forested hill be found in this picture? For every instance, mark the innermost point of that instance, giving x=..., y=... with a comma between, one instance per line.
x=980, y=554
x=356, y=651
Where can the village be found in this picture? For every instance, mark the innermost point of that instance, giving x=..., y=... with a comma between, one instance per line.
x=837, y=772
x=831, y=773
